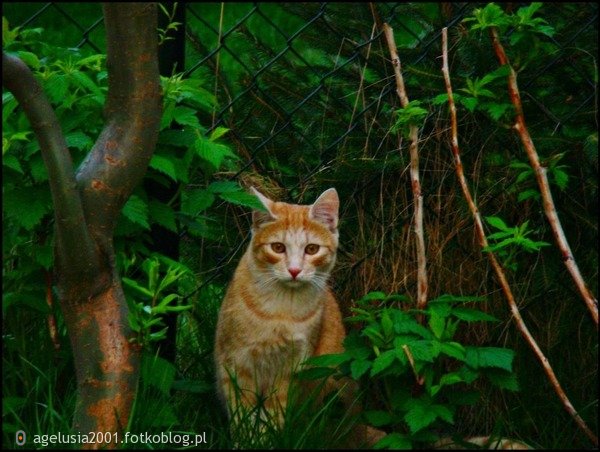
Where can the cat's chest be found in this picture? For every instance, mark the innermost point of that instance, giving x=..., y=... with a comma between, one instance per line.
x=283, y=341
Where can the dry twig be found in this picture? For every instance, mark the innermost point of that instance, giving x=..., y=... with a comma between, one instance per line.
x=495, y=264
x=542, y=180
x=414, y=173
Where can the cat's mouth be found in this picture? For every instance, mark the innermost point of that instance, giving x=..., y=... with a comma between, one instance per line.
x=294, y=283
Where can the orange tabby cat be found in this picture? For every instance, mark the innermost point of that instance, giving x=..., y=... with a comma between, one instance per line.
x=278, y=310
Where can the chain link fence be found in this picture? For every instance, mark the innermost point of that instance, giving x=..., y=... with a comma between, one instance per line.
x=308, y=93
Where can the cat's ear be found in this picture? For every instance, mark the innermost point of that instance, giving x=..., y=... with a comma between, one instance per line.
x=259, y=216
x=325, y=209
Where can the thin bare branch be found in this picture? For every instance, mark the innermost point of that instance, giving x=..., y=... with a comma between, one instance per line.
x=422, y=285
x=542, y=180
x=495, y=264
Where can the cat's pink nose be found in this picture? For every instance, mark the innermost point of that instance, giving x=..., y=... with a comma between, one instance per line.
x=294, y=272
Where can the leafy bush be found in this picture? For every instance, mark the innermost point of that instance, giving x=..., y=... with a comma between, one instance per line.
x=414, y=359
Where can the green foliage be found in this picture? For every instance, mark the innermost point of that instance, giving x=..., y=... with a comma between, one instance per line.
x=410, y=115
x=525, y=184
x=508, y=241
x=485, y=94
x=493, y=15
x=76, y=86
x=394, y=348
x=171, y=24
x=305, y=114
x=156, y=298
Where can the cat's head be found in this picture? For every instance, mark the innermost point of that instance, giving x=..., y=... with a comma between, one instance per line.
x=296, y=245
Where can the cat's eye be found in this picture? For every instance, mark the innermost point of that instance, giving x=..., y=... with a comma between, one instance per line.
x=311, y=249
x=278, y=247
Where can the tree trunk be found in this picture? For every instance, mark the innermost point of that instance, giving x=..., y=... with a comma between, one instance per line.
x=86, y=207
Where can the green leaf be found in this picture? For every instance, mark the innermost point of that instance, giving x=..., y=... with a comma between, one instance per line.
x=136, y=211
x=394, y=441
x=450, y=379
x=193, y=92
x=211, y=152
x=373, y=332
x=525, y=13
x=560, y=178
x=10, y=161
x=315, y=373
x=448, y=298
x=420, y=415
x=165, y=165
x=453, y=349
x=27, y=206
x=30, y=298
x=158, y=372
x=423, y=350
x=195, y=201
x=502, y=358
x=180, y=138
x=383, y=361
x=470, y=103
x=500, y=235
x=225, y=186
x=92, y=62
x=489, y=16
x=472, y=315
x=529, y=193
x=439, y=308
x=520, y=165
x=159, y=335
x=140, y=290
x=359, y=367
x=57, y=87
x=167, y=115
x=162, y=214
x=387, y=325
x=502, y=71
x=165, y=302
x=497, y=110
x=485, y=93
x=441, y=99
x=30, y=59
x=356, y=346
x=437, y=324
x=527, y=174
x=405, y=323
x=373, y=296
x=242, y=198
x=44, y=255
x=498, y=223
x=84, y=81
x=79, y=140
x=502, y=379
x=443, y=412
x=379, y=418
x=218, y=133
x=186, y=116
